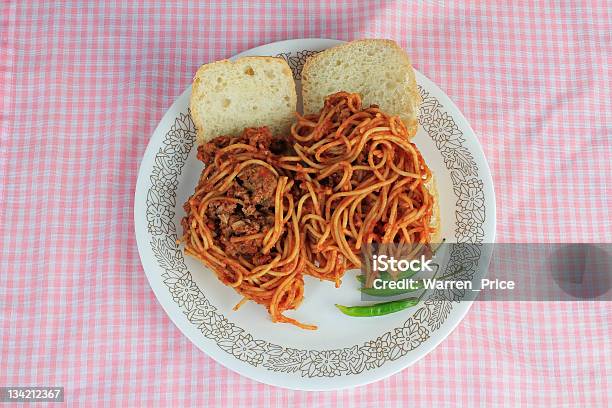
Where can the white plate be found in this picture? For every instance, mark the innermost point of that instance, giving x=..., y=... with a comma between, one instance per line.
x=344, y=351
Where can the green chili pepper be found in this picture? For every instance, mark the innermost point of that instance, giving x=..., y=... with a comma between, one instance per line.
x=418, y=285
x=378, y=309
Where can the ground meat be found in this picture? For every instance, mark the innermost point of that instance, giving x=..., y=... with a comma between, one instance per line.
x=206, y=152
x=237, y=191
x=261, y=184
x=260, y=259
x=245, y=249
x=221, y=212
x=261, y=138
x=237, y=225
x=254, y=187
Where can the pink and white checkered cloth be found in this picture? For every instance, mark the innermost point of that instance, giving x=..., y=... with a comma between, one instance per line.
x=83, y=84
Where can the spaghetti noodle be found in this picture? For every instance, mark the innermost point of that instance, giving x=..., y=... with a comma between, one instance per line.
x=263, y=215
x=241, y=222
x=369, y=184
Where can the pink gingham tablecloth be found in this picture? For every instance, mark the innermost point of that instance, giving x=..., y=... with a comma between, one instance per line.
x=83, y=85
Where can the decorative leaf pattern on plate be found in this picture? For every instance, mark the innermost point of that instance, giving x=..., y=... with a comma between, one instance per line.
x=439, y=307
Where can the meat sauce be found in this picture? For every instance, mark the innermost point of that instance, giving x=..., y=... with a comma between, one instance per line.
x=254, y=187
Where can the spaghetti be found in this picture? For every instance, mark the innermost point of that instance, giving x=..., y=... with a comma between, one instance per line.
x=241, y=222
x=369, y=184
x=264, y=214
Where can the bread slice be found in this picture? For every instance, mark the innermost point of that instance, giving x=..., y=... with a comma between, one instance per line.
x=228, y=96
x=379, y=70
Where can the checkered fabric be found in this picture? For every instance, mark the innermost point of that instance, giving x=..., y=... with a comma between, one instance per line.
x=83, y=85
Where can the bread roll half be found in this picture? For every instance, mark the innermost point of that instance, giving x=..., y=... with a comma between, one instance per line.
x=228, y=96
x=379, y=70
